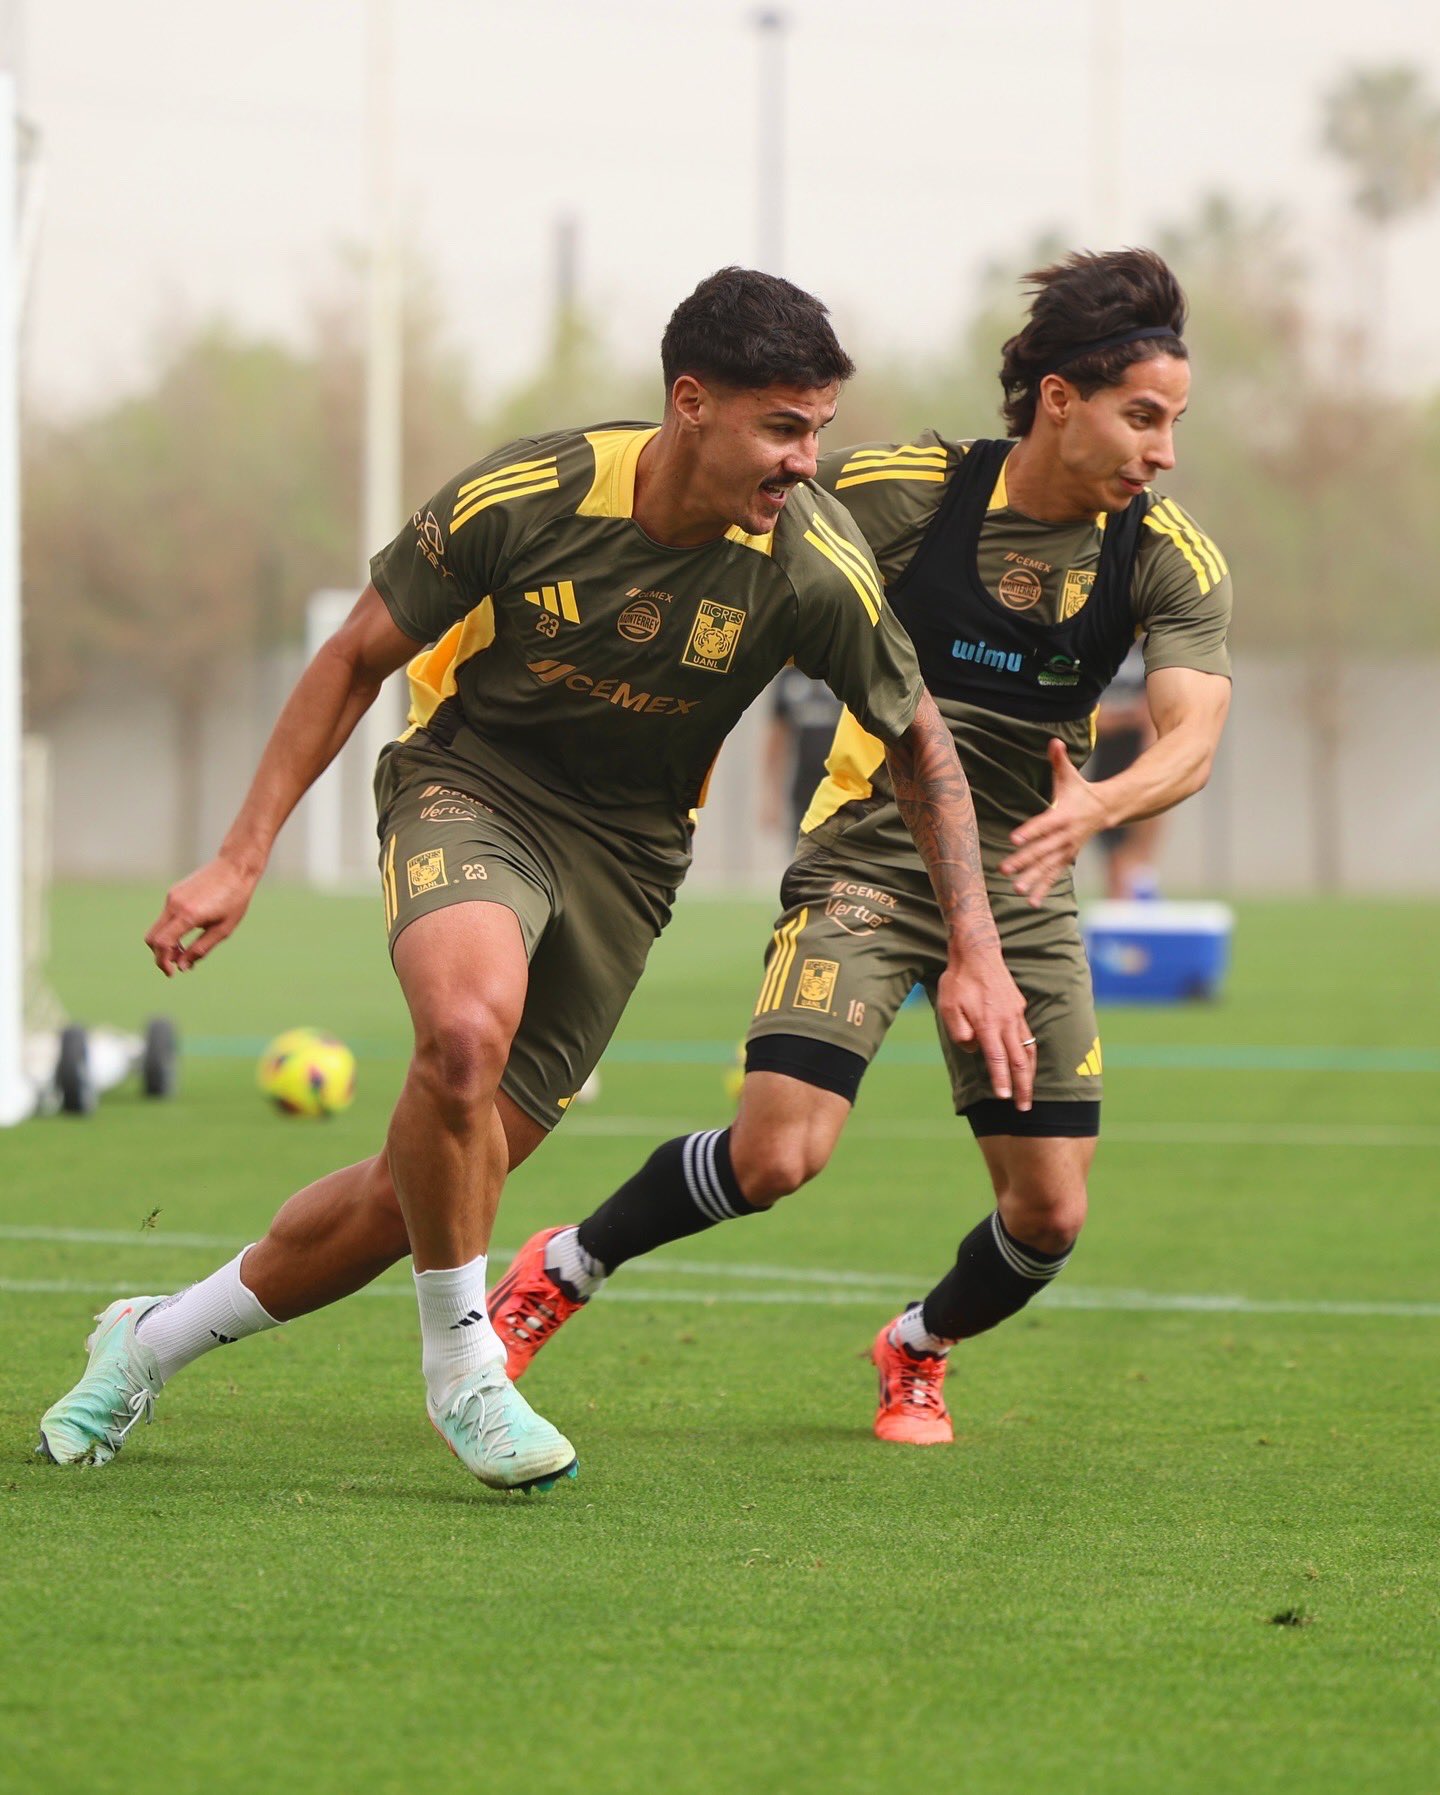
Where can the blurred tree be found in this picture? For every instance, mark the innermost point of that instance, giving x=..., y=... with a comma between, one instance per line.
x=1312, y=479
x=182, y=529
x=185, y=527
x=955, y=389
x=580, y=382
x=154, y=531
x=1384, y=124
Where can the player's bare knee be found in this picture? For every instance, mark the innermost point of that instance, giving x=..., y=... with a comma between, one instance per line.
x=459, y=1059
x=771, y=1167
x=1047, y=1218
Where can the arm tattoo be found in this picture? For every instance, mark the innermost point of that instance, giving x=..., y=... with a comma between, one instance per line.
x=933, y=796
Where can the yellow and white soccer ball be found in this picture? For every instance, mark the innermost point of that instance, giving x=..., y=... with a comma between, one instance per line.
x=305, y=1072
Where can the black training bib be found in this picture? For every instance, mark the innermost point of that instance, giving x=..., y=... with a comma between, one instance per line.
x=973, y=649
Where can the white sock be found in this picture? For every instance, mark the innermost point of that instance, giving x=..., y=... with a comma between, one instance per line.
x=568, y=1262
x=216, y=1311
x=460, y=1346
x=911, y=1331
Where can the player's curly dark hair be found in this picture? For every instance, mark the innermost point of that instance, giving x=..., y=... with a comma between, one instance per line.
x=1082, y=299
x=741, y=328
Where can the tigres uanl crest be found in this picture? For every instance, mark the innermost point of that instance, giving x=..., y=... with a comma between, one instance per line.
x=817, y=982
x=425, y=871
x=1077, y=587
x=713, y=636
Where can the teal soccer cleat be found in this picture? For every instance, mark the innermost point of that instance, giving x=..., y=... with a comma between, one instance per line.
x=89, y=1424
x=495, y=1433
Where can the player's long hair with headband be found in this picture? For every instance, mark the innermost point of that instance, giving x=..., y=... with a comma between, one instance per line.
x=1091, y=317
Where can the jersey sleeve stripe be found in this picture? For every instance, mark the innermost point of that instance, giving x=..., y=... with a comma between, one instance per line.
x=527, y=485
x=1207, y=550
x=902, y=452
x=502, y=474
x=850, y=562
x=830, y=555
x=1163, y=527
x=897, y=474
x=851, y=554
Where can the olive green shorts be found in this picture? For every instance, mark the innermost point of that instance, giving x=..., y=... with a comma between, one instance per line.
x=588, y=917
x=850, y=946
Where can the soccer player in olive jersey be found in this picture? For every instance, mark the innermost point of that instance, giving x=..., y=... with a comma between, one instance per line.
x=1023, y=570
x=601, y=605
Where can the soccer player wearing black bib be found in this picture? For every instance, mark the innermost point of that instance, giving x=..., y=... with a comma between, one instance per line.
x=600, y=607
x=1023, y=570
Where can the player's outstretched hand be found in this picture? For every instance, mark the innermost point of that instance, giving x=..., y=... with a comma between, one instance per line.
x=981, y=1008
x=199, y=913
x=1050, y=842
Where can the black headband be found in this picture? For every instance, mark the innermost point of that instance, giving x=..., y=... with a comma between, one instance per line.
x=1125, y=336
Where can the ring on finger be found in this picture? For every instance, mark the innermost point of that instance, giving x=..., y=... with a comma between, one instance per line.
x=1028, y=1042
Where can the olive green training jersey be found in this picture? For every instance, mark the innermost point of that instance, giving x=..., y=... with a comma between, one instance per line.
x=579, y=665
x=1180, y=596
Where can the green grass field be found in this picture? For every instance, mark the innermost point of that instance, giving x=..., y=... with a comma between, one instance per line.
x=1223, y=1415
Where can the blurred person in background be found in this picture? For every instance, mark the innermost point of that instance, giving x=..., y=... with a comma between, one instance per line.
x=1124, y=729
x=1024, y=571
x=601, y=608
x=803, y=715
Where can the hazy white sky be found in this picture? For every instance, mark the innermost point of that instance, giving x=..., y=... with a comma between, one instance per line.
x=205, y=158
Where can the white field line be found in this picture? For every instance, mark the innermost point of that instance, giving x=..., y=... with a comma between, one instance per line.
x=1160, y=1302
x=841, y=1290
x=151, y=1240
x=1124, y=1134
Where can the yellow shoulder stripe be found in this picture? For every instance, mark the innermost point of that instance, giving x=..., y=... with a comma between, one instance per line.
x=503, y=474
x=899, y=452
x=517, y=481
x=906, y=461
x=935, y=476
x=1157, y=521
x=1204, y=547
x=849, y=560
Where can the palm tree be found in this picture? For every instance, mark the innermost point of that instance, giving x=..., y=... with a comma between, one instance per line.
x=1385, y=125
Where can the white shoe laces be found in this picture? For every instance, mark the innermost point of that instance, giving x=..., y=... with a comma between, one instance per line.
x=142, y=1407
x=487, y=1421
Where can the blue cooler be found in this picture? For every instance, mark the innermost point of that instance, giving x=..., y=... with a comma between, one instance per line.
x=1156, y=952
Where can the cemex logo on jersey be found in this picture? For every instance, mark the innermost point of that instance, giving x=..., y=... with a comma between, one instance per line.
x=850, y=906
x=613, y=691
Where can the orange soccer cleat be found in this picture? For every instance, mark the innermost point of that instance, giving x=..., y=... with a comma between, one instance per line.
x=527, y=1305
x=912, y=1402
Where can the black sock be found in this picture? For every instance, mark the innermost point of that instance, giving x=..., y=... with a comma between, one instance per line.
x=994, y=1275
x=683, y=1188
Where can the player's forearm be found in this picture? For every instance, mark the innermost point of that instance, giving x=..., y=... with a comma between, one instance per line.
x=329, y=699
x=933, y=796
x=1172, y=769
